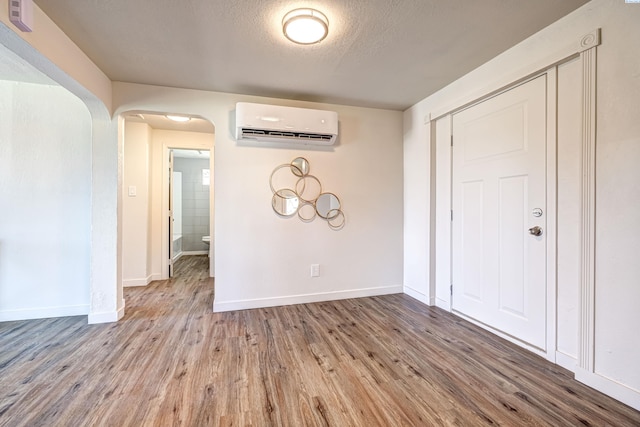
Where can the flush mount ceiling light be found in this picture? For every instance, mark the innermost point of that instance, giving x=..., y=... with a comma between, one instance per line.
x=305, y=26
x=178, y=118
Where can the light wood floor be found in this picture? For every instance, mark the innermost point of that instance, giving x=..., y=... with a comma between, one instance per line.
x=383, y=361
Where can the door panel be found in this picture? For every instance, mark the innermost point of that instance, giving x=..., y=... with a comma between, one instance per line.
x=511, y=221
x=472, y=199
x=499, y=174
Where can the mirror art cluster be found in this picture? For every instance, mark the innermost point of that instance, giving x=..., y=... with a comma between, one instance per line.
x=296, y=192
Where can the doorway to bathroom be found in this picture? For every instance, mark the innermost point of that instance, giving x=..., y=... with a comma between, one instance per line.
x=148, y=241
x=189, y=204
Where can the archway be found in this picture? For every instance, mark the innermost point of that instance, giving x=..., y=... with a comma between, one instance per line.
x=146, y=138
x=103, y=304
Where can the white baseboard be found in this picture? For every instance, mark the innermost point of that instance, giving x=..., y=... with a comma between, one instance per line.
x=566, y=361
x=178, y=256
x=44, y=312
x=120, y=312
x=219, y=306
x=423, y=298
x=445, y=305
x=129, y=283
x=105, y=316
x=609, y=387
x=195, y=252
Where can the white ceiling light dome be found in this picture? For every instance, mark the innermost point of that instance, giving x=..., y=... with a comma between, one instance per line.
x=177, y=118
x=305, y=26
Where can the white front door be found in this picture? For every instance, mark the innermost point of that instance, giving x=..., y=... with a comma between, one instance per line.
x=499, y=169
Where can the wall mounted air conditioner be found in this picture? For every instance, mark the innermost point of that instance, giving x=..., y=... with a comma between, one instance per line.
x=271, y=123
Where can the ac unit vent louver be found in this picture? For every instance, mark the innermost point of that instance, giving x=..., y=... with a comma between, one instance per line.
x=248, y=133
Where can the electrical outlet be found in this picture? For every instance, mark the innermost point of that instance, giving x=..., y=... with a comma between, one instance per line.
x=315, y=270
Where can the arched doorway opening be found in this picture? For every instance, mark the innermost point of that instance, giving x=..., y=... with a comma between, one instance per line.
x=152, y=145
x=99, y=283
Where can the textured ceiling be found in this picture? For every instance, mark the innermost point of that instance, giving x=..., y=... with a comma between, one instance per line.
x=379, y=53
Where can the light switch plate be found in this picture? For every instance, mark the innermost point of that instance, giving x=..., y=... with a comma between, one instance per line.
x=132, y=191
x=315, y=270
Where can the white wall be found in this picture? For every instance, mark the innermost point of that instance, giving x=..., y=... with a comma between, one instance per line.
x=617, y=342
x=617, y=347
x=51, y=52
x=135, y=209
x=45, y=202
x=264, y=260
x=416, y=200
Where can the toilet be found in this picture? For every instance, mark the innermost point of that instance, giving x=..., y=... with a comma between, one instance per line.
x=206, y=239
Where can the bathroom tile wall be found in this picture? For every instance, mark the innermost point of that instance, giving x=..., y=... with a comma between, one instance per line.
x=177, y=247
x=195, y=203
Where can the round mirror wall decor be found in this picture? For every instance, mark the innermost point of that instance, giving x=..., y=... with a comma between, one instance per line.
x=336, y=219
x=285, y=202
x=308, y=188
x=327, y=205
x=300, y=166
x=307, y=212
x=298, y=192
x=282, y=178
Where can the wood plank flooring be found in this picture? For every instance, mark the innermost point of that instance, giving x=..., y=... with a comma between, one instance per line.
x=382, y=361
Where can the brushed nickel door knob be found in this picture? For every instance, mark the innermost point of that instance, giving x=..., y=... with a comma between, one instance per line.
x=536, y=231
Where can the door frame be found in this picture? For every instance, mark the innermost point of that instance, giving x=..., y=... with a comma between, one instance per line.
x=439, y=121
x=166, y=148
x=169, y=213
x=583, y=49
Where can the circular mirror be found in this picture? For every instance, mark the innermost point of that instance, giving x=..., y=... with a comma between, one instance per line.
x=285, y=202
x=336, y=219
x=283, y=179
x=306, y=212
x=308, y=188
x=300, y=166
x=327, y=205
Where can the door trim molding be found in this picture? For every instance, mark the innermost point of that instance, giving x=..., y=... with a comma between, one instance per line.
x=164, y=197
x=513, y=77
x=584, y=48
x=586, y=370
x=588, y=229
x=552, y=212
